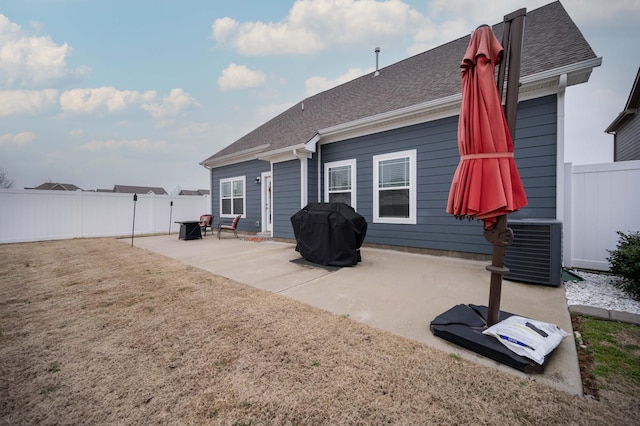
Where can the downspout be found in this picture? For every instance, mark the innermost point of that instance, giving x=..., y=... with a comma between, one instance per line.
x=304, y=178
x=319, y=174
x=562, y=87
x=561, y=169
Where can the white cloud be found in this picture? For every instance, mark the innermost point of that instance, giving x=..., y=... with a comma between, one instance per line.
x=240, y=77
x=111, y=100
x=32, y=61
x=137, y=145
x=102, y=99
x=14, y=102
x=312, y=26
x=319, y=84
x=76, y=132
x=223, y=29
x=178, y=100
x=21, y=138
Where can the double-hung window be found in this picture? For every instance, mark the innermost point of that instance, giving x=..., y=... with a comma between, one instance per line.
x=232, y=196
x=394, y=187
x=340, y=182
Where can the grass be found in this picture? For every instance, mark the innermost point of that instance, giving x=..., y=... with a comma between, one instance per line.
x=611, y=356
x=614, y=347
x=189, y=347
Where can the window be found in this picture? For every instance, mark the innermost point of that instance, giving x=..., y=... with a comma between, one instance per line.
x=394, y=187
x=232, y=199
x=340, y=182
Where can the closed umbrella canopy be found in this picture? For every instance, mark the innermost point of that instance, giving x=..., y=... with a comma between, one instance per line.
x=486, y=183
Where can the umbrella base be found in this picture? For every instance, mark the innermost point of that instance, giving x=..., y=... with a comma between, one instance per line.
x=464, y=324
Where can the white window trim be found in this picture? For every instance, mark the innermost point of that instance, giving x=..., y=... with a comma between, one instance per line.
x=244, y=195
x=351, y=163
x=412, y=219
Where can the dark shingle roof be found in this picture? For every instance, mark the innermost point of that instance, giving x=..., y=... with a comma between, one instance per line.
x=128, y=189
x=194, y=192
x=55, y=186
x=551, y=40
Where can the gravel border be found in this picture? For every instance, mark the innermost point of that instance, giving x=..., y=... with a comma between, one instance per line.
x=599, y=291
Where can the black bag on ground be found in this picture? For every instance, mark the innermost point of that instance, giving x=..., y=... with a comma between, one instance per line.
x=329, y=233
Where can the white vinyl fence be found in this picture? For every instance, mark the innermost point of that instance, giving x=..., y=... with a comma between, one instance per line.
x=33, y=215
x=600, y=199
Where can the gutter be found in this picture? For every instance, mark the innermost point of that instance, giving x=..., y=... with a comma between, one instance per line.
x=290, y=152
x=396, y=114
x=620, y=120
x=232, y=158
x=570, y=70
x=447, y=106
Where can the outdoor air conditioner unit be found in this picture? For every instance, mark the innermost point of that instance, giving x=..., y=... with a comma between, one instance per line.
x=535, y=256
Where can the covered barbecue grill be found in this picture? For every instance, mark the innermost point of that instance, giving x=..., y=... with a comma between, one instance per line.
x=329, y=233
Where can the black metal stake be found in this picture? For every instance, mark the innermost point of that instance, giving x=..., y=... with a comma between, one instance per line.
x=170, y=213
x=133, y=227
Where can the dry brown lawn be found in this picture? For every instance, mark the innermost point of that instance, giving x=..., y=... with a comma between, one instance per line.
x=93, y=331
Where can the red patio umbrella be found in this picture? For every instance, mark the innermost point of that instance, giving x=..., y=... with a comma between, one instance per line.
x=486, y=184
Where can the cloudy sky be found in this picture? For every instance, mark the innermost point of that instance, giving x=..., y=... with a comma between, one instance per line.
x=97, y=93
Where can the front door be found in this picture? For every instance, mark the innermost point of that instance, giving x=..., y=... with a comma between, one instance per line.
x=267, y=222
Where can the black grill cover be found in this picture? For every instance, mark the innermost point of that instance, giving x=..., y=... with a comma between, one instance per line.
x=329, y=233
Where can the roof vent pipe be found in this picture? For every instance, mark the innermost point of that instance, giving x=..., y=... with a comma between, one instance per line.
x=377, y=73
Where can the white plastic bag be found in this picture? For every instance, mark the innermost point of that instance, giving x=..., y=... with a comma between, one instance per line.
x=527, y=337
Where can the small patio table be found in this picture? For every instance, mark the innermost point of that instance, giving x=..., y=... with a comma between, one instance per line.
x=189, y=230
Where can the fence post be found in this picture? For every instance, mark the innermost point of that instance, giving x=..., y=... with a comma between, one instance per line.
x=133, y=227
x=170, y=213
x=567, y=220
x=78, y=219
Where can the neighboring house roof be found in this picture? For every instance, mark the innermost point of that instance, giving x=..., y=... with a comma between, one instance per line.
x=630, y=109
x=127, y=189
x=55, y=186
x=192, y=192
x=553, y=45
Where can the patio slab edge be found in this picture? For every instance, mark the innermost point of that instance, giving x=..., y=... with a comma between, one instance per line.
x=605, y=314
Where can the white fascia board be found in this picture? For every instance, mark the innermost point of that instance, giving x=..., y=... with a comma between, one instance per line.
x=313, y=143
x=439, y=108
x=233, y=158
x=284, y=154
x=532, y=86
x=290, y=152
x=579, y=68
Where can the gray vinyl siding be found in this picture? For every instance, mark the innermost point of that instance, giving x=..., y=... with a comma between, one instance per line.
x=286, y=197
x=250, y=170
x=627, y=140
x=535, y=150
x=437, y=158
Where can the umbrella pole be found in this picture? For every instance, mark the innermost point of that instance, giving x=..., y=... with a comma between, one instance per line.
x=500, y=237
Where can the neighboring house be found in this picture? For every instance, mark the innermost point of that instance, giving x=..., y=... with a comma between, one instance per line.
x=386, y=143
x=626, y=127
x=54, y=186
x=192, y=192
x=127, y=189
